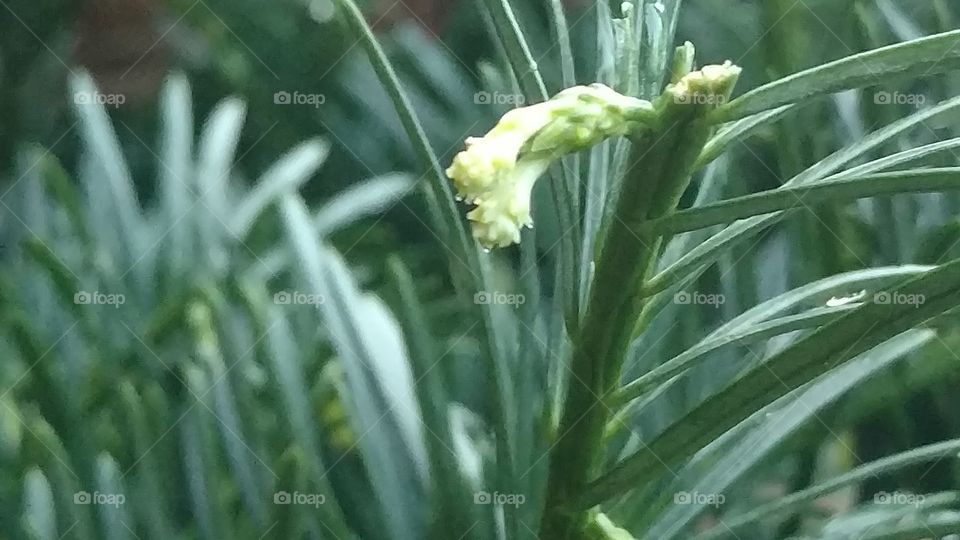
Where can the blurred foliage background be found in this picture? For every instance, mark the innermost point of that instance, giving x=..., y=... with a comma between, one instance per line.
x=443, y=53
x=450, y=66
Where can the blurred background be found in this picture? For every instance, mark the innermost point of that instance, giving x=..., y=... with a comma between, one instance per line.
x=442, y=49
x=301, y=74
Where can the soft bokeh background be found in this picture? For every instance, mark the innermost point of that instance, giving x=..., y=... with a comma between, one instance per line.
x=441, y=48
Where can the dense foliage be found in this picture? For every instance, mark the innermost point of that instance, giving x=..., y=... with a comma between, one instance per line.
x=735, y=317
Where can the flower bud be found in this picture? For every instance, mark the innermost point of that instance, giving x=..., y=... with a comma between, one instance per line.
x=710, y=85
x=496, y=172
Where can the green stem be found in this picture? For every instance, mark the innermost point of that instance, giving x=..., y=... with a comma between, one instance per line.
x=662, y=163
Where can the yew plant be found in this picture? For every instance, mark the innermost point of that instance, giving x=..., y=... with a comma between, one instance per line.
x=608, y=363
x=623, y=257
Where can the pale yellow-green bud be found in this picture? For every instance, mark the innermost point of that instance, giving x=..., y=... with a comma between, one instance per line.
x=710, y=85
x=496, y=172
x=505, y=208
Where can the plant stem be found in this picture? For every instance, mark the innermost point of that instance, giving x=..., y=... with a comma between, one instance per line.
x=662, y=163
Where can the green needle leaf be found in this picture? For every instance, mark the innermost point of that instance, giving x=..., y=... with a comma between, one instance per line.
x=794, y=501
x=787, y=198
x=919, y=58
x=812, y=356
